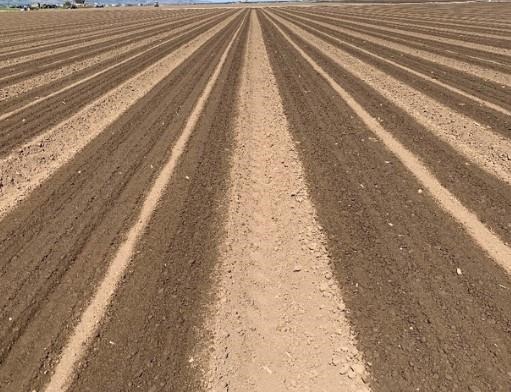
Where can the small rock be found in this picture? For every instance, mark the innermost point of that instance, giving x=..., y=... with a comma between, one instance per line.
x=344, y=369
x=357, y=368
x=420, y=191
x=297, y=268
x=458, y=271
x=336, y=361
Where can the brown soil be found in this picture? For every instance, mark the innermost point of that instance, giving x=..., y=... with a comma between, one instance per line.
x=287, y=198
x=69, y=245
x=278, y=323
x=418, y=322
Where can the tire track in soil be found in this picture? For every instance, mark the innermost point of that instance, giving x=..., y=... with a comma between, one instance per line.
x=17, y=129
x=419, y=323
x=467, y=182
x=156, y=315
x=54, y=244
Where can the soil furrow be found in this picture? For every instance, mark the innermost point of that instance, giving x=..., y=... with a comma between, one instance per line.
x=72, y=69
x=274, y=273
x=499, y=121
x=56, y=27
x=30, y=96
x=18, y=72
x=294, y=198
x=443, y=64
x=419, y=323
x=23, y=62
x=95, y=26
x=467, y=182
x=51, y=43
x=428, y=23
x=77, y=219
x=462, y=38
x=160, y=306
x=404, y=51
x=56, y=108
x=498, y=62
x=492, y=20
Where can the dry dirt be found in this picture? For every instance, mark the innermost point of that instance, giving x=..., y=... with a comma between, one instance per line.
x=279, y=323
x=256, y=198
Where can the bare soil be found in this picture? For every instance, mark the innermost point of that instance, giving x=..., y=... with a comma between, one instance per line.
x=286, y=198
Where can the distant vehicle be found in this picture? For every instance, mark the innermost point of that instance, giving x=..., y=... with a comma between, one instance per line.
x=156, y=4
x=97, y=5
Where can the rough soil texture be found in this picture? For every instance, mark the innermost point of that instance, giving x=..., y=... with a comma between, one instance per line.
x=279, y=323
x=26, y=168
x=407, y=48
x=426, y=304
x=164, y=298
x=268, y=198
x=19, y=127
x=447, y=163
x=16, y=94
x=48, y=276
x=485, y=143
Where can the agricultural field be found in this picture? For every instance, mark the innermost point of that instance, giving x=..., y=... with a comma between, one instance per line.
x=256, y=198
